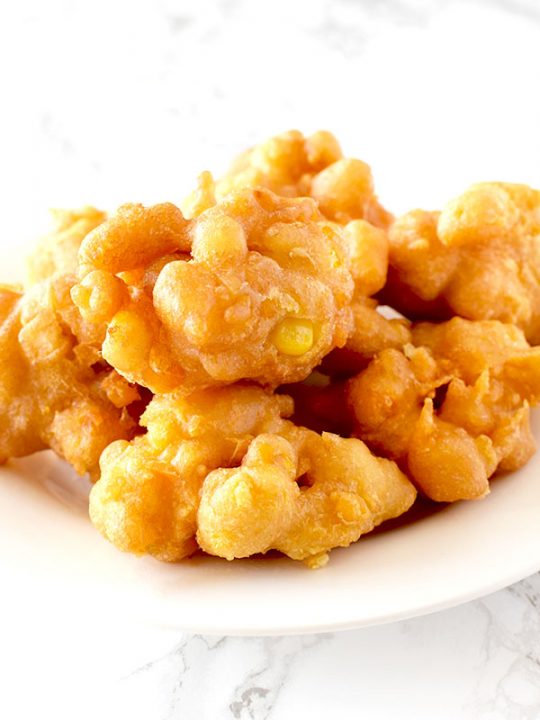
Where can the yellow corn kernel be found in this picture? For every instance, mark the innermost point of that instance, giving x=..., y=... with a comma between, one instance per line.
x=293, y=336
x=128, y=342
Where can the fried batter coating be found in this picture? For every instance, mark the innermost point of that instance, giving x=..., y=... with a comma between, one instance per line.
x=372, y=333
x=320, y=401
x=147, y=498
x=454, y=407
x=368, y=250
x=57, y=252
x=479, y=258
x=54, y=390
x=292, y=165
x=182, y=480
x=264, y=295
x=346, y=492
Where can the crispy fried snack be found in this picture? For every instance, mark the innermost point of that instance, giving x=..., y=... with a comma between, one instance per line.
x=57, y=252
x=371, y=333
x=264, y=294
x=251, y=315
x=453, y=408
x=320, y=401
x=479, y=258
x=294, y=491
x=292, y=165
x=54, y=389
x=345, y=492
x=147, y=498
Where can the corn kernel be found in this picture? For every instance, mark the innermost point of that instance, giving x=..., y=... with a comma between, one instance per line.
x=293, y=336
x=128, y=342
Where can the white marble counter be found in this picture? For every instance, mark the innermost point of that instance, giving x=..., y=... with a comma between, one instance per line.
x=480, y=661
x=110, y=101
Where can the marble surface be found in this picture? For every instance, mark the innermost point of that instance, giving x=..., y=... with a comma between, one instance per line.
x=479, y=661
x=112, y=101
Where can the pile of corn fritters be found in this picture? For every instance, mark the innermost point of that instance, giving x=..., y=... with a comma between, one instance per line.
x=224, y=372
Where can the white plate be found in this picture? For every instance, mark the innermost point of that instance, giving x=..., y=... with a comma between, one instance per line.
x=53, y=561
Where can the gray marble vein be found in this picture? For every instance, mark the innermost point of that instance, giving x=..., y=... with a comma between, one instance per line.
x=478, y=661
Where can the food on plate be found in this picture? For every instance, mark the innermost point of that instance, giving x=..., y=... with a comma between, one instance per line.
x=223, y=469
x=371, y=330
x=257, y=287
x=345, y=492
x=279, y=365
x=479, y=258
x=55, y=390
x=146, y=500
x=293, y=165
x=371, y=333
x=453, y=407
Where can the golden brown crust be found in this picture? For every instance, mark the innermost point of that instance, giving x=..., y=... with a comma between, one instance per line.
x=182, y=480
x=264, y=295
x=293, y=165
x=147, y=498
x=268, y=277
x=479, y=258
x=52, y=392
x=452, y=408
x=346, y=491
